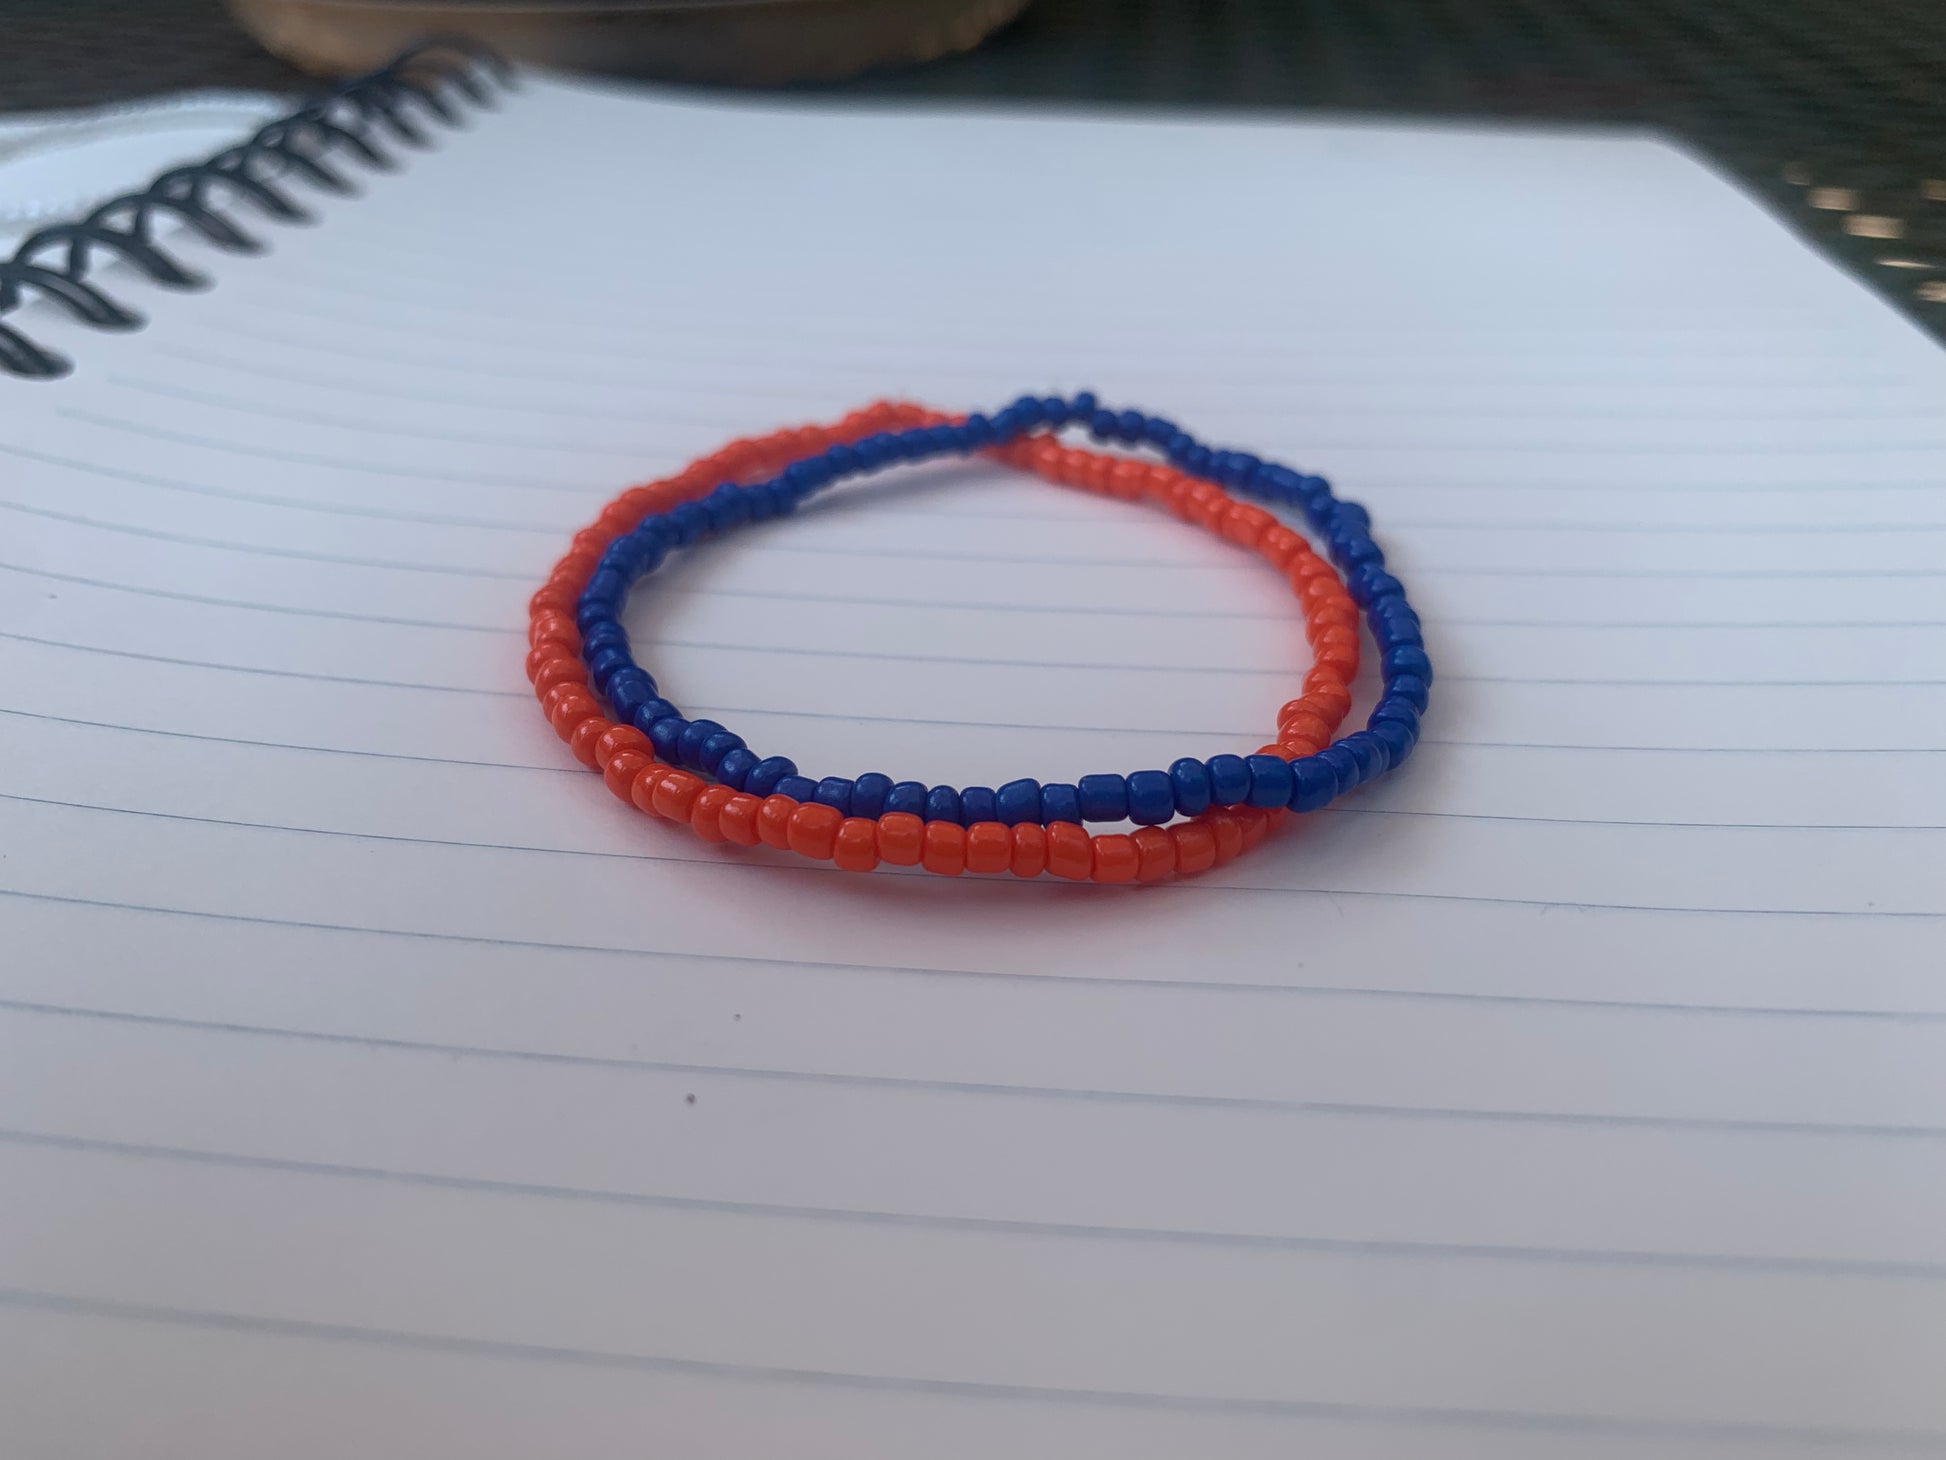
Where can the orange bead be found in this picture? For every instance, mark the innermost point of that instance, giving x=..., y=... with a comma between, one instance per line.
x=774, y=822
x=1195, y=847
x=1246, y=524
x=1300, y=720
x=1339, y=656
x=739, y=819
x=945, y=848
x=1336, y=612
x=1278, y=749
x=1116, y=858
x=989, y=846
x=585, y=737
x=814, y=830
x=1070, y=851
x=1155, y=851
x=1253, y=823
x=856, y=849
x=1228, y=832
x=1325, y=688
x=675, y=793
x=570, y=710
x=619, y=738
x=553, y=626
x=1279, y=545
x=1295, y=747
x=706, y=813
x=1029, y=849
x=901, y=839
x=622, y=768
x=1126, y=478
x=641, y=790
x=565, y=669
x=545, y=650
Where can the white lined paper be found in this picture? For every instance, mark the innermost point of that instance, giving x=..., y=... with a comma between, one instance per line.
x=1574, y=1092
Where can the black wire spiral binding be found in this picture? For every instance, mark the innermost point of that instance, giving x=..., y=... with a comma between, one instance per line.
x=391, y=103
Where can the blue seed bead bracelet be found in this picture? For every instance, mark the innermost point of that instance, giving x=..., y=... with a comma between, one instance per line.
x=1188, y=787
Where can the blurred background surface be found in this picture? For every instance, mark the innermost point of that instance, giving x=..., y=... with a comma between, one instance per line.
x=1831, y=111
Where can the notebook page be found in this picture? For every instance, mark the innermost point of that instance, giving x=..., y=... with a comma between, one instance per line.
x=373, y=1080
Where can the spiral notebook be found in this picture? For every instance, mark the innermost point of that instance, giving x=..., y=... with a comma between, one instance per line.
x=375, y=1084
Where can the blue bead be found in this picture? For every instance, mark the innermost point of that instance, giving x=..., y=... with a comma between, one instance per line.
x=606, y=584
x=690, y=522
x=1060, y=802
x=1151, y=798
x=1104, y=425
x=834, y=791
x=1018, y=801
x=1392, y=634
x=664, y=734
x=907, y=798
x=606, y=635
x=868, y=794
x=629, y=691
x=798, y=788
x=1191, y=779
x=1397, y=737
x=1083, y=405
x=1410, y=688
x=1399, y=710
x=1312, y=784
x=1131, y=426
x=1103, y=798
x=1159, y=432
x=590, y=612
x=844, y=460
x=1229, y=780
x=648, y=546
x=1270, y=781
x=604, y=662
x=764, y=776
x=1407, y=659
x=874, y=450
x=1028, y=408
x=1054, y=411
x=942, y=804
x=648, y=714
x=734, y=769
x=689, y=749
x=1343, y=764
x=976, y=803
x=1367, y=583
x=710, y=759
x=1352, y=518
x=1353, y=552
x=1369, y=752
x=726, y=508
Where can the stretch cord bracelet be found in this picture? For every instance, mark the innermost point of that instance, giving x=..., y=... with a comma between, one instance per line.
x=719, y=812
x=857, y=843
x=629, y=767
x=1188, y=787
x=1301, y=780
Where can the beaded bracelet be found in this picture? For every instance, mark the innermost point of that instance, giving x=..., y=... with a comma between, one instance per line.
x=826, y=830
x=1267, y=779
x=630, y=770
x=626, y=755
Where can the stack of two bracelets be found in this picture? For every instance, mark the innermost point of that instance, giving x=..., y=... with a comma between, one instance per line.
x=1195, y=815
